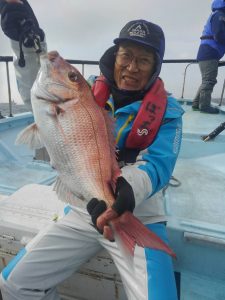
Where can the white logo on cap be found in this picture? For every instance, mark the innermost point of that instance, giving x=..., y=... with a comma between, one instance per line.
x=138, y=30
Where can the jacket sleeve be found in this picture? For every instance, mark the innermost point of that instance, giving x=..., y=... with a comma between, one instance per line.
x=26, y=76
x=218, y=27
x=154, y=166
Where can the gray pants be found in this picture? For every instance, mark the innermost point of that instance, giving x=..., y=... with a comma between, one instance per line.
x=209, y=71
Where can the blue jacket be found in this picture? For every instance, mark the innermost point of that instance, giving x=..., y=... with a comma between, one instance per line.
x=213, y=37
x=154, y=166
x=160, y=157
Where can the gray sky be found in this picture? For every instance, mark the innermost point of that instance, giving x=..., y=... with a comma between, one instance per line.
x=80, y=29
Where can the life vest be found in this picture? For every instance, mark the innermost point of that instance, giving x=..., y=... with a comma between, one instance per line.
x=208, y=38
x=149, y=117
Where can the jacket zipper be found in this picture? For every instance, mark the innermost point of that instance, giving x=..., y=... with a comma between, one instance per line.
x=129, y=119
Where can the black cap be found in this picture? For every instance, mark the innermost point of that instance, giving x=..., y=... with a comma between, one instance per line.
x=144, y=33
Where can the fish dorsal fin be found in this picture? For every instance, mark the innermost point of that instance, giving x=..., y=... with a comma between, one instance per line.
x=30, y=136
x=110, y=125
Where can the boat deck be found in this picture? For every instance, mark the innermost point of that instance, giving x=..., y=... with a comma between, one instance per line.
x=201, y=171
x=196, y=208
x=19, y=165
x=194, y=203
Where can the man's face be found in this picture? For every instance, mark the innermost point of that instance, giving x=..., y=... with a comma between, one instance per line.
x=134, y=66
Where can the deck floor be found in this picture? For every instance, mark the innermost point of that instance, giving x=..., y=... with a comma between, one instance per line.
x=201, y=123
x=200, y=197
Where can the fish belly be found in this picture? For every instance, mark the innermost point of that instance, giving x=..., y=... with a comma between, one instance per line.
x=78, y=145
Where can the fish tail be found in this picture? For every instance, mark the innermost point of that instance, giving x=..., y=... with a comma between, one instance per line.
x=129, y=232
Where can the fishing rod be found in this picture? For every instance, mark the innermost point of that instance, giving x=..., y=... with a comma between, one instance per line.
x=214, y=133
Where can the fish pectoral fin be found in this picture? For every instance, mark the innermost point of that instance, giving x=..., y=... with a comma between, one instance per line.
x=30, y=136
x=64, y=193
x=132, y=232
x=55, y=110
x=61, y=190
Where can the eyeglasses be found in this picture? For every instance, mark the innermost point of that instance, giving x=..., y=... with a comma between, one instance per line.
x=144, y=63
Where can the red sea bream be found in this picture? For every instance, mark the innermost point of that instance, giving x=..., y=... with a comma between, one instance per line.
x=78, y=136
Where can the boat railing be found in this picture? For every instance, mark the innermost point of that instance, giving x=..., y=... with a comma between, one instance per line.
x=7, y=59
x=83, y=63
x=191, y=62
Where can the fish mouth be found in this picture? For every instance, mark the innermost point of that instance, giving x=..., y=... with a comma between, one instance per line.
x=43, y=86
x=50, y=56
x=51, y=59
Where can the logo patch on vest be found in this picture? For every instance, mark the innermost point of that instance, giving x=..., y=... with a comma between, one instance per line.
x=141, y=132
x=138, y=29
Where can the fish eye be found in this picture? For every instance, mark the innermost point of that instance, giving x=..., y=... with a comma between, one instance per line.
x=72, y=76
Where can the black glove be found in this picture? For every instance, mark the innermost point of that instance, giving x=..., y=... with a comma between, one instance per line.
x=18, y=19
x=95, y=208
x=125, y=201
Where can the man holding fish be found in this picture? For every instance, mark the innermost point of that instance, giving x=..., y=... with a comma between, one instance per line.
x=115, y=200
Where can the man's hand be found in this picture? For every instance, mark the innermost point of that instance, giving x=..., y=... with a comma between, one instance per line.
x=125, y=200
x=16, y=17
x=101, y=216
x=95, y=208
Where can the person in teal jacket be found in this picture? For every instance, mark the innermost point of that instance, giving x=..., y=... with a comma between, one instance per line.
x=148, y=135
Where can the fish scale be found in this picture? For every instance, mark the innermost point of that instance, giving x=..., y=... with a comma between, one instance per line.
x=87, y=175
